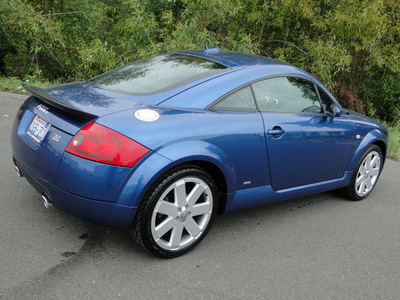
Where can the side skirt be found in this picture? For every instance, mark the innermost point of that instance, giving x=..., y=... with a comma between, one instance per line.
x=247, y=198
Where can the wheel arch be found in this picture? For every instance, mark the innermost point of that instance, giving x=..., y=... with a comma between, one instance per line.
x=219, y=179
x=153, y=167
x=152, y=227
x=383, y=148
x=375, y=137
x=210, y=168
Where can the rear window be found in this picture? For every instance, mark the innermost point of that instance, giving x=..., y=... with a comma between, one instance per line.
x=157, y=74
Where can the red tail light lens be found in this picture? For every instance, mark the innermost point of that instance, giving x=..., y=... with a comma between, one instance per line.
x=101, y=144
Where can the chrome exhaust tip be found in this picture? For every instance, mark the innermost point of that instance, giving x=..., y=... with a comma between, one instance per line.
x=18, y=171
x=46, y=201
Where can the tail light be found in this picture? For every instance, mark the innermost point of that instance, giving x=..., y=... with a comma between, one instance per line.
x=101, y=144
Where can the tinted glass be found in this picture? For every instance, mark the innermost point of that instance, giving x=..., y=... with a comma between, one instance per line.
x=286, y=94
x=325, y=99
x=239, y=100
x=157, y=74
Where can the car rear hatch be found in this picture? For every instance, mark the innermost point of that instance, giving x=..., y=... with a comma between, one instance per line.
x=50, y=118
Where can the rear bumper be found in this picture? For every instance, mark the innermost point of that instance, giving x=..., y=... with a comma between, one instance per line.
x=91, y=210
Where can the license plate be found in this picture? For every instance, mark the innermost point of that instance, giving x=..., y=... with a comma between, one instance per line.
x=38, y=129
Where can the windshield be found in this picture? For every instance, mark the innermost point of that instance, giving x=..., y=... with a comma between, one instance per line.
x=157, y=74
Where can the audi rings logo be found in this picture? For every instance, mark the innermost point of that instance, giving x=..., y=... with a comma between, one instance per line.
x=43, y=109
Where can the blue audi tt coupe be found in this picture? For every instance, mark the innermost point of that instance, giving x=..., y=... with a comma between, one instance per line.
x=162, y=145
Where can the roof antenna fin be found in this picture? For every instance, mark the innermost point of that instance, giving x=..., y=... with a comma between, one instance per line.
x=210, y=50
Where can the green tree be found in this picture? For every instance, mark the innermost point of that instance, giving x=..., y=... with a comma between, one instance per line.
x=351, y=46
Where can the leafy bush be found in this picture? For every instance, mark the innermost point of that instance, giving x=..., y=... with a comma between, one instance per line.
x=351, y=46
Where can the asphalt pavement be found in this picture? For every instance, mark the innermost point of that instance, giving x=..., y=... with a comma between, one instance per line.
x=318, y=247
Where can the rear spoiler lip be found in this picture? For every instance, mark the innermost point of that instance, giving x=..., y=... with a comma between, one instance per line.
x=51, y=100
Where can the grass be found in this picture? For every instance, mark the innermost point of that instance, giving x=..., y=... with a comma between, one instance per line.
x=394, y=142
x=14, y=85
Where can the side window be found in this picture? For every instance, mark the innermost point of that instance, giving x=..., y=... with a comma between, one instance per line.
x=325, y=99
x=287, y=94
x=240, y=100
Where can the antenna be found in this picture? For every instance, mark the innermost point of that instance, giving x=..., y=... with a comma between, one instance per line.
x=210, y=50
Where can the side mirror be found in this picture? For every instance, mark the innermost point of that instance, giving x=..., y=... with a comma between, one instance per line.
x=333, y=111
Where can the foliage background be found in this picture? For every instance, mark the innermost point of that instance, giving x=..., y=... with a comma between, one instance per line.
x=351, y=46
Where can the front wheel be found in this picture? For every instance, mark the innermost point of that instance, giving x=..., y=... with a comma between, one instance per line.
x=365, y=175
x=176, y=213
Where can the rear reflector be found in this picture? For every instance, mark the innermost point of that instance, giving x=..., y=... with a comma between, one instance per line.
x=101, y=144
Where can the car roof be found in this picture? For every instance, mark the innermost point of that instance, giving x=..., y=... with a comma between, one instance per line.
x=234, y=59
x=243, y=69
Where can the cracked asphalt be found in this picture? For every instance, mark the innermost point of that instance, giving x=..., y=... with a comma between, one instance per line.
x=318, y=247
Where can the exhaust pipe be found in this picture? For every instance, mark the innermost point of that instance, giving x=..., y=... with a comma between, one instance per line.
x=46, y=201
x=18, y=171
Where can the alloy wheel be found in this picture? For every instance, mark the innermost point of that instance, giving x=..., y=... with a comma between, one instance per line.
x=368, y=173
x=181, y=213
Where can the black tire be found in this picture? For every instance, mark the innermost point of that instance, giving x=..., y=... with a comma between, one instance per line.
x=354, y=191
x=166, y=205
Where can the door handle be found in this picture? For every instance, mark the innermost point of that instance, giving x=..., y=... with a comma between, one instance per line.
x=276, y=131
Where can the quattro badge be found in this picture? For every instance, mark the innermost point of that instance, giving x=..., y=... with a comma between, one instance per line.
x=56, y=137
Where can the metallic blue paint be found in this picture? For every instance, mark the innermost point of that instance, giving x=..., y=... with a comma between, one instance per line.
x=234, y=59
x=267, y=195
x=369, y=138
x=141, y=177
x=44, y=158
x=203, y=95
x=105, y=180
x=240, y=147
x=313, y=152
x=55, y=117
x=88, y=97
x=87, y=209
x=312, y=149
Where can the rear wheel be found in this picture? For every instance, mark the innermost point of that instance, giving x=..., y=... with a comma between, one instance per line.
x=177, y=212
x=366, y=174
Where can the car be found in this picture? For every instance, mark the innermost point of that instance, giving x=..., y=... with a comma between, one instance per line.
x=161, y=145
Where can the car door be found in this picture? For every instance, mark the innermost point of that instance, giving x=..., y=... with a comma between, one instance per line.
x=304, y=145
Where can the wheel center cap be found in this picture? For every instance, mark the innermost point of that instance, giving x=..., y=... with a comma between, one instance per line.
x=184, y=215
